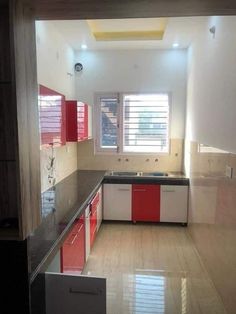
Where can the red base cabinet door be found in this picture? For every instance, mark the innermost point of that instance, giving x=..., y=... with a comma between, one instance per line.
x=93, y=218
x=145, y=202
x=73, y=249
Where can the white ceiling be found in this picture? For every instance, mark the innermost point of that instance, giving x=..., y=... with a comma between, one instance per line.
x=180, y=30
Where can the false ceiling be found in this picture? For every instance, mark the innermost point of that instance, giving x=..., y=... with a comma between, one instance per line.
x=128, y=29
x=149, y=33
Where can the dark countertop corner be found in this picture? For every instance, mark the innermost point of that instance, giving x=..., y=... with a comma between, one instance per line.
x=61, y=204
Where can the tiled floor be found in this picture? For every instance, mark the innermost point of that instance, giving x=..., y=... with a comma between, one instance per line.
x=151, y=269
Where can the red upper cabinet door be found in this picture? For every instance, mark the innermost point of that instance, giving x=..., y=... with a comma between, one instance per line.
x=146, y=202
x=71, y=121
x=51, y=117
x=82, y=118
x=76, y=121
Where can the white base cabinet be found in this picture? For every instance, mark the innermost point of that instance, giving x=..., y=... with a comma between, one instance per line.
x=66, y=294
x=174, y=203
x=117, y=201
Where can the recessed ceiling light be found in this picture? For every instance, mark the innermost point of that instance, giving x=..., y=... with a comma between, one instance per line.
x=175, y=45
x=83, y=46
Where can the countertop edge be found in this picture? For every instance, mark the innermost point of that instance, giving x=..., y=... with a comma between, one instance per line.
x=150, y=180
x=76, y=213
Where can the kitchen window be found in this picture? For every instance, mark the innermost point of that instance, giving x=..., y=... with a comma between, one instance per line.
x=132, y=123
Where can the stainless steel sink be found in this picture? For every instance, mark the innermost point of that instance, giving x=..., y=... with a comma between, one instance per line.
x=154, y=174
x=125, y=173
x=138, y=173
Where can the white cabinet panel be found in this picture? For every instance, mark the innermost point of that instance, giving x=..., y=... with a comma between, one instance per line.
x=87, y=232
x=99, y=209
x=66, y=294
x=174, y=203
x=117, y=201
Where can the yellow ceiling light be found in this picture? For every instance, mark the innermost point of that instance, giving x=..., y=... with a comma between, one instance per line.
x=128, y=29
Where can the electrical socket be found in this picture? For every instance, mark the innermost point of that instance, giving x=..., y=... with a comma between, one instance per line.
x=229, y=172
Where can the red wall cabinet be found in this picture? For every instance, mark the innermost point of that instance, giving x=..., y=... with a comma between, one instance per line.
x=76, y=121
x=93, y=218
x=73, y=249
x=52, y=117
x=145, y=202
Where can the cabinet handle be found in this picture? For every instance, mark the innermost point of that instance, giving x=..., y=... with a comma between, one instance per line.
x=75, y=236
x=81, y=227
x=95, y=212
x=73, y=240
x=124, y=190
x=169, y=191
x=96, y=292
x=140, y=190
x=94, y=231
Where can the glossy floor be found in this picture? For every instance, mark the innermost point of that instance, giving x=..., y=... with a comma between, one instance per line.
x=151, y=269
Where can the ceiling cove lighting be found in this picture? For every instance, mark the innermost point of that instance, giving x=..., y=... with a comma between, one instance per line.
x=175, y=45
x=129, y=35
x=84, y=46
x=128, y=29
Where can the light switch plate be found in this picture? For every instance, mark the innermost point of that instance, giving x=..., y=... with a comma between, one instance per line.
x=229, y=172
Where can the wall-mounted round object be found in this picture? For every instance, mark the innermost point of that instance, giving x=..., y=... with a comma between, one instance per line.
x=78, y=67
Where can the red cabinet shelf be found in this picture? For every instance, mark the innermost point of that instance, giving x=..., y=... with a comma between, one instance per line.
x=51, y=117
x=76, y=121
x=73, y=249
x=145, y=202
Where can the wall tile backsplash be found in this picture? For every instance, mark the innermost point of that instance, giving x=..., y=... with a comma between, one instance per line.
x=57, y=163
x=162, y=162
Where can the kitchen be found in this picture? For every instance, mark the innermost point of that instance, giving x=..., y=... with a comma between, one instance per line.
x=212, y=189
x=99, y=66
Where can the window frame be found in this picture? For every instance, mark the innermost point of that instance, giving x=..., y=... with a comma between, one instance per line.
x=98, y=150
x=97, y=121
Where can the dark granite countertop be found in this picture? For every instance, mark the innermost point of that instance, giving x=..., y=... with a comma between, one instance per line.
x=171, y=179
x=60, y=206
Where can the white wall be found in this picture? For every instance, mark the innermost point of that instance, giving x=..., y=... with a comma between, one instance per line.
x=212, y=85
x=136, y=71
x=55, y=59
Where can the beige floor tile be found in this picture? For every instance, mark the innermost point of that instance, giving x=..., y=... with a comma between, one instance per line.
x=151, y=269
